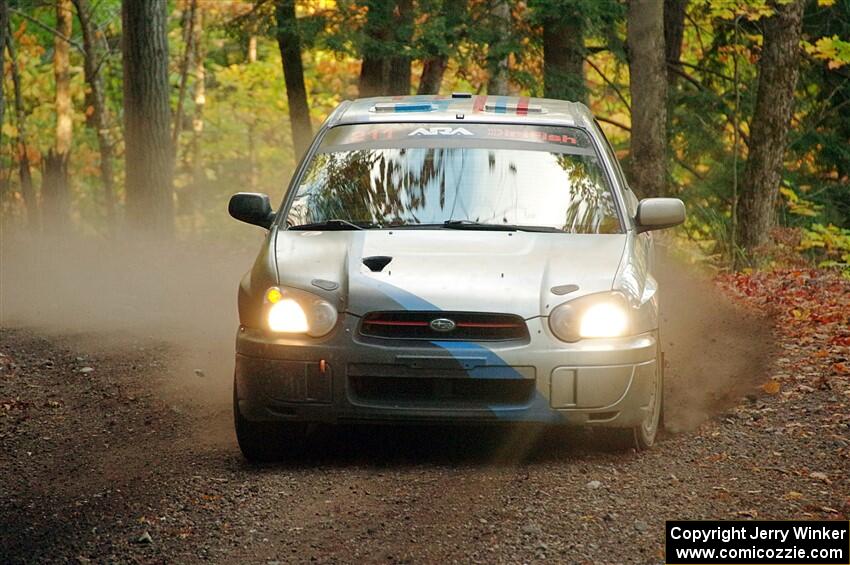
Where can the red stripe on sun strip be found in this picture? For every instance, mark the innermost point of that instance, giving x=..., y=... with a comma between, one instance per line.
x=478, y=103
x=522, y=106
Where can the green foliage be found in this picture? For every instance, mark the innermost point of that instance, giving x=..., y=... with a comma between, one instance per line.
x=799, y=206
x=831, y=49
x=752, y=10
x=829, y=245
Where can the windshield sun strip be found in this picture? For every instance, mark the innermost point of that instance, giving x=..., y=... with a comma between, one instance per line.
x=494, y=144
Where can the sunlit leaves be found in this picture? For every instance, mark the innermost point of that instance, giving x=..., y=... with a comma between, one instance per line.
x=835, y=51
x=830, y=243
x=797, y=205
x=731, y=9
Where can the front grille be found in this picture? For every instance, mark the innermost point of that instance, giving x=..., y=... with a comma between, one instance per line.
x=468, y=326
x=437, y=392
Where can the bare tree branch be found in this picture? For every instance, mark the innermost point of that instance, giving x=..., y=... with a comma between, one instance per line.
x=688, y=168
x=702, y=69
x=49, y=29
x=614, y=123
x=609, y=83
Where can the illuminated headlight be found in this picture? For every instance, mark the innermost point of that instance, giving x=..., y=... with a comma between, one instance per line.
x=295, y=311
x=607, y=319
x=596, y=315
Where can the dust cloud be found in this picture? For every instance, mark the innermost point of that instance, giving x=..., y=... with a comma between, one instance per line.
x=714, y=351
x=130, y=293
x=134, y=291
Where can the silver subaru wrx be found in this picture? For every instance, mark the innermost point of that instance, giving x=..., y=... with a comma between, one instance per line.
x=451, y=259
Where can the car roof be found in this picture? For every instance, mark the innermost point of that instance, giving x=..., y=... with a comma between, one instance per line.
x=462, y=107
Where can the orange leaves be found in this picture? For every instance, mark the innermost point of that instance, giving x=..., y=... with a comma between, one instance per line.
x=800, y=314
x=811, y=308
x=771, y=387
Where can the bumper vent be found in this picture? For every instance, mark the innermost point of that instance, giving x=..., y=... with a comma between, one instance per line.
x=459, y=326
x=442, y=393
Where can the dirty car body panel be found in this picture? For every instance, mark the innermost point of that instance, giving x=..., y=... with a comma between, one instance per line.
x=462, y=244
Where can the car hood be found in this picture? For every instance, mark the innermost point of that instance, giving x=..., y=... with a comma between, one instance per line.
x=450, y=270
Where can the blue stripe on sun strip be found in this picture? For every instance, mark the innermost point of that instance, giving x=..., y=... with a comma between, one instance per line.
x=413, y=107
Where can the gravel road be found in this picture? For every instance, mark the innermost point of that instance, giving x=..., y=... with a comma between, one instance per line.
x=116, y=449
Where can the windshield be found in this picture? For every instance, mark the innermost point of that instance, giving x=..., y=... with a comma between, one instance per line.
x=417, y=175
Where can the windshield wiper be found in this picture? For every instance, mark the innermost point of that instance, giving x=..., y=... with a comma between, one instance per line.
x=333, y=224
x=473, y=225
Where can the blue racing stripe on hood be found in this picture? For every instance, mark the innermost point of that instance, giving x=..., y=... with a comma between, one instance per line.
x=467, y=348
x=538, y=410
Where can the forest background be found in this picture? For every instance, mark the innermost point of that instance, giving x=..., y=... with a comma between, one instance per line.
x=151, y=113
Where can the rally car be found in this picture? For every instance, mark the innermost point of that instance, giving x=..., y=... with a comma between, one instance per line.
x=449, y=259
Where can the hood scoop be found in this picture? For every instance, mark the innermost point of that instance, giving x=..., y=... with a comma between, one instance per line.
x=376, y=263
x=564, y=289
x=325, y=284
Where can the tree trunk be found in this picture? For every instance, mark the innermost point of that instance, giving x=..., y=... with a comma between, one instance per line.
x=27, y=192
x=4, y=26
x=199, y=99
x=55, y=199
x=147, y=117
x=648, y=84
x=778, y=71
x=563, y=57
x=436, y=60
x=99, y=116
x=189, y=20
x=289, y=42
x=54, y=192
x=433, y=69
x=61, y=71
x=497, y=57
x=253, y=170
x=398, y=81
x=252, y=49
x=373, y=73
x=674, y=30
x=375, y=67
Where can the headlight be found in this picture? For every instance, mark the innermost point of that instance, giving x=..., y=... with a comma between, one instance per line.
x=597, y=315
x=287, y=316
x=295, y=311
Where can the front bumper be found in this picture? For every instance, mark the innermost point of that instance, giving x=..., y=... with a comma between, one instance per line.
x=345, y=377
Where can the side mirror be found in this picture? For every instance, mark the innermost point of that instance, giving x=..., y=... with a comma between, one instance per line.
x=659, y=213
x=251, y=208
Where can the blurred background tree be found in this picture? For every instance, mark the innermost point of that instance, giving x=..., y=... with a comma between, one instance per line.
x=740, y=107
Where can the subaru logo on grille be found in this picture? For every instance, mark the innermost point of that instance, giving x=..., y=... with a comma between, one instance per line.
x=442, y=325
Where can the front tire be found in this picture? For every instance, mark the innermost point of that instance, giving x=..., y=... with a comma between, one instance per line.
x=267, y=441
x=643, y=436
x=646, y=433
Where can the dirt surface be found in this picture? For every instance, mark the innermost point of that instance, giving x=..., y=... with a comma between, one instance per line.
x=117, y=446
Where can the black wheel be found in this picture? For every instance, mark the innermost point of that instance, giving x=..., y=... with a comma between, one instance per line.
x=267, y=441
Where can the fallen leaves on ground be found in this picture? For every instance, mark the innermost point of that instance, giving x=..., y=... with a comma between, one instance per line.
x=811, y=312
